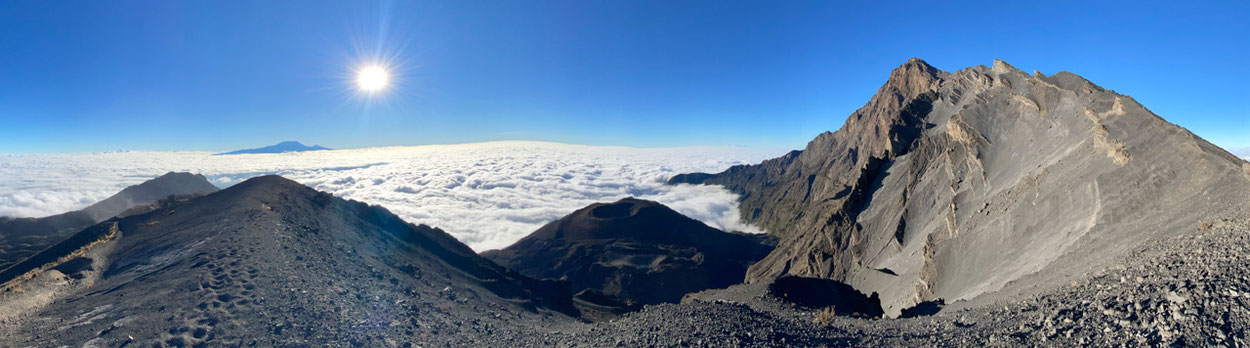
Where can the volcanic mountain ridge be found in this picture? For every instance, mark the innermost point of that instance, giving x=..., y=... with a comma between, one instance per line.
x=269, y=262
x=987, y=180
x=638, y=251
x=22, y=237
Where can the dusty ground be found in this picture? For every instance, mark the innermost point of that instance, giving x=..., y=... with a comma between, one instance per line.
x=1189, y=290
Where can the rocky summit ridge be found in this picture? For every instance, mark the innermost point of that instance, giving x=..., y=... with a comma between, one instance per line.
x=953, y=185
x=268, y=262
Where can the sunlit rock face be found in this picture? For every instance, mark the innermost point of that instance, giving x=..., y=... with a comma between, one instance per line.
x=973, y=182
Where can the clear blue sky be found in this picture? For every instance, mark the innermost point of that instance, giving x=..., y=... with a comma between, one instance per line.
x=80, y=76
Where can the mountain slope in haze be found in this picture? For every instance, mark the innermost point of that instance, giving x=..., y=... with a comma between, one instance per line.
x=636, y=250
x=282, y=147
x=951, y=185
x=271, y=262
x=22, y=237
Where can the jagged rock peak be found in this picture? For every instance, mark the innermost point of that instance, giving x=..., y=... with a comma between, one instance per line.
x=915, y=63
x=913, y=78
x=957, y=182
x=1001, y=67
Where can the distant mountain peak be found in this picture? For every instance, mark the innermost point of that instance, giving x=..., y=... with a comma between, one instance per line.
x=282, y=147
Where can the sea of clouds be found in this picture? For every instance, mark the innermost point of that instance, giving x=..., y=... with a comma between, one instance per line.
x=488, y=195
x=1243, y=152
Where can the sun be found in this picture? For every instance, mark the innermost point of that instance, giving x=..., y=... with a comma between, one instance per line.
x=372, y=78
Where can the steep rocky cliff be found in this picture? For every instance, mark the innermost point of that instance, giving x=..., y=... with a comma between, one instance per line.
x=953, y=185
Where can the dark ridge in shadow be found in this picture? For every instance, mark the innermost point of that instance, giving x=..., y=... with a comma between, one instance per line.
x=637, y=251
x=690, y=178
x=922, y=309
x=78, y=242
x=818, y=293
x=611, y=211
x=74, y=268
x=23, y=237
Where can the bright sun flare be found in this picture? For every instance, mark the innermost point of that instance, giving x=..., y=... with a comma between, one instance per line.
x=373, y=78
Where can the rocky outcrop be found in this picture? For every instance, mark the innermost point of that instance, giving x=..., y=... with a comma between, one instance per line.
x=973, y=182
x=817, y=293
x=639, y=251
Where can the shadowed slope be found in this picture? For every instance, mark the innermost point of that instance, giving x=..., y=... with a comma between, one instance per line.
x=639, y=251
x=22, y=237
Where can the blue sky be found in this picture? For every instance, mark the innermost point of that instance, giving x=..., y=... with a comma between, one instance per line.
x=79, y=76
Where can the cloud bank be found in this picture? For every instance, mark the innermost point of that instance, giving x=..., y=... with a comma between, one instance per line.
x=1241, y=152
x=488, y=195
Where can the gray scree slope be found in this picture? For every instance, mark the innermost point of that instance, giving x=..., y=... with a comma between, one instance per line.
x=270, y=262
x=983, y=180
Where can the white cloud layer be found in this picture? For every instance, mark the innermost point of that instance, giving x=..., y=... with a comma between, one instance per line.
x=1242, y=152
x=488, y=195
